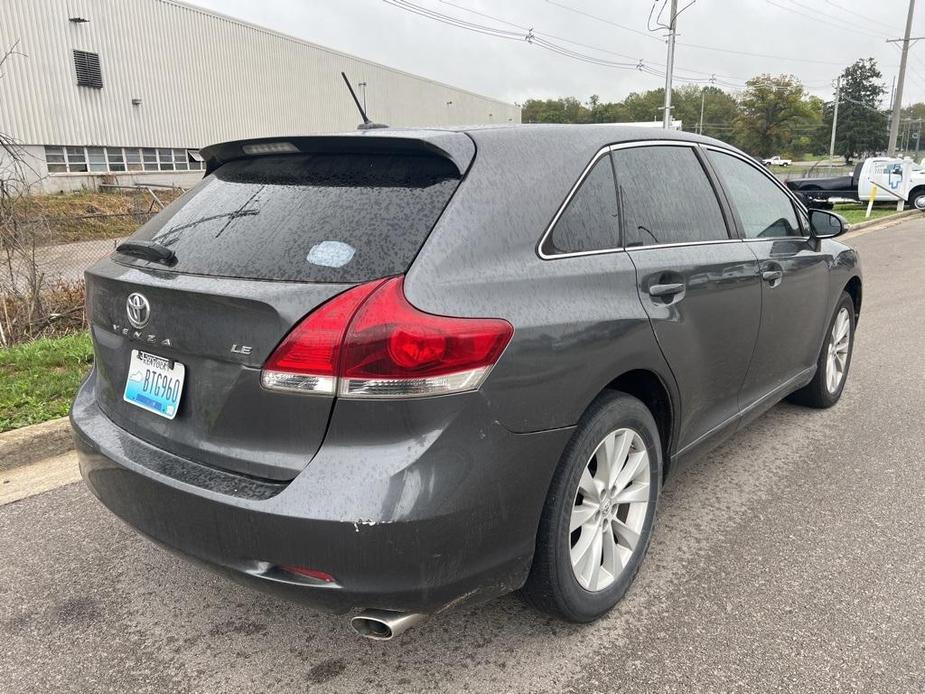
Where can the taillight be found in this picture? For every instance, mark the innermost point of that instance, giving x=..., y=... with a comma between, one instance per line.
x=369, y=342
x=306, y=360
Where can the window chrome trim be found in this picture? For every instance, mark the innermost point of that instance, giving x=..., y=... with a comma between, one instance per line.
x=681, y=244
x=568, y=198
x=607, y=149
x=789, y=193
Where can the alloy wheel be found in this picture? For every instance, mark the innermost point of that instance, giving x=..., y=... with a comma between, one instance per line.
x=609, y=510
x=839, y=343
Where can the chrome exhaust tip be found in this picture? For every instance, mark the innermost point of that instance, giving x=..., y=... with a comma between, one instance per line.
x=385, y=625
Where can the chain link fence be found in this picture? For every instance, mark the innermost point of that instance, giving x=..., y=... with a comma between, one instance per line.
x=46, y=244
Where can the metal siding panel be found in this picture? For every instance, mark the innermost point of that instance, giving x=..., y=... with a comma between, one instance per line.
x=202, y=78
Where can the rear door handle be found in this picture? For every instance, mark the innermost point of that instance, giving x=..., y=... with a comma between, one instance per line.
x=772, y=276
x=666, y=289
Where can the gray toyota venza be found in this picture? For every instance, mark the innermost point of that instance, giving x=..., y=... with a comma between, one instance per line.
x=394, y=371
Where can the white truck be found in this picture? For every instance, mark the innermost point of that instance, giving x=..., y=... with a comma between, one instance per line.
x=885, y=179
x=777, y=161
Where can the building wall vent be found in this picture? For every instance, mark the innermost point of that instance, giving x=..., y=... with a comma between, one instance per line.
x=88, y=69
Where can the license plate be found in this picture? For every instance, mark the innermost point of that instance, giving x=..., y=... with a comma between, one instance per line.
x=154, y=383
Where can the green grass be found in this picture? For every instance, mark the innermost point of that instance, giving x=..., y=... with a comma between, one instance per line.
x=38, y=379
x=855, y=212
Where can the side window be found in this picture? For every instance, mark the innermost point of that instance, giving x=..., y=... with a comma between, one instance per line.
x=666, y=197
x=590, y=221
x=764, y=209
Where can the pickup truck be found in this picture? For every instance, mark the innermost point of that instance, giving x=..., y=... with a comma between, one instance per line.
x=777, y=161
x=895, y=179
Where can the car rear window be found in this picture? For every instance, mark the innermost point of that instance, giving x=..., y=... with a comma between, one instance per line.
x=307, y=217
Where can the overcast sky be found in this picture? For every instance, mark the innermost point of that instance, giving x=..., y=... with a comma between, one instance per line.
x=812, y=39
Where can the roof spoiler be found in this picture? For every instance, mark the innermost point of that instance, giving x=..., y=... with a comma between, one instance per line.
x=457, y=147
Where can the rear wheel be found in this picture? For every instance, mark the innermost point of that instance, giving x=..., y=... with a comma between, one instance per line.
x=598, y=517
x=917, y=198
x=832, y=366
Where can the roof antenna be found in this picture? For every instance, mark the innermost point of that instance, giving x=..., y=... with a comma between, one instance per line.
x=367, y=124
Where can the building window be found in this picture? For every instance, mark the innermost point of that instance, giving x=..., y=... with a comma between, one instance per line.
x=88, y=69
x=54, y=157
x=116, y=158
x=120, y=159
x=97, y=158
x=133, y=159
x=180, y=162
x=165, y=156
x=149, y=156
x=76, y=159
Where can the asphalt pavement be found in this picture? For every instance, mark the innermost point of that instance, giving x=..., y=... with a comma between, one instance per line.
x=791, y=559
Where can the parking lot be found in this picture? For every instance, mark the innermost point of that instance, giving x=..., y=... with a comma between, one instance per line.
x=791, y=559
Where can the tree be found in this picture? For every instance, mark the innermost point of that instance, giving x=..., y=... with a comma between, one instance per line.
x=22, y=312
x=605, y=112
x=564, y=110
x=771, y=109
x=719, y=110
x=644, y=107
x=862, y=126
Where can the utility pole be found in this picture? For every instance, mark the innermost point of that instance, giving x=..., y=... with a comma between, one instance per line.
x=898, y=97
x=703, y=96
x=834, y=120
x=669, y=67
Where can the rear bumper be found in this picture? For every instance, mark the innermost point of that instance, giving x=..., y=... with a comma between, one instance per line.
x=407, y=507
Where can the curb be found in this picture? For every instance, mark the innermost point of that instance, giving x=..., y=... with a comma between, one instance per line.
x=30, y=444
x=886, y=221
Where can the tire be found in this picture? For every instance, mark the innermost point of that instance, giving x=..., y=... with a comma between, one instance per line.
x=917, y=198
x=820, y=392
x=615, y=422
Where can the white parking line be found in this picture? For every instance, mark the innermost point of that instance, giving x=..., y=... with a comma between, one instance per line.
x=39, y=477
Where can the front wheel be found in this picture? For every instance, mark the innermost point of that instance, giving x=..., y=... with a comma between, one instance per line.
x=598, y=517
x=832, y=366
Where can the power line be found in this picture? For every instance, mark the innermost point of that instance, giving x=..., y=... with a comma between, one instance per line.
x=525, y=28
x=535, y=38
x=828, y=20
x=859, y=15
x=531, y=37
x=692, y=45
x=729, y=81
x=605, y=21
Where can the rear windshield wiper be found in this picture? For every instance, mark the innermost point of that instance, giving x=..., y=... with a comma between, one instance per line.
x=147, y=250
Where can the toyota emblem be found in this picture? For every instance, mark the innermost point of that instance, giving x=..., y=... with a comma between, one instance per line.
x=138, y=309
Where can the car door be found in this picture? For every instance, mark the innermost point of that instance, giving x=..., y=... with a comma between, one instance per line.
x=697, y=282
x=794, y=275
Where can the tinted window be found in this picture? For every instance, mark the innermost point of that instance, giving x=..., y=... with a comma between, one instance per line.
x=666, y=197
x=590, y=221
x=764, y=209
x=319, y=218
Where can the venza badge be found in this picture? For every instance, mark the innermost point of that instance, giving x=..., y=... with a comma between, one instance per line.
x=138, y=309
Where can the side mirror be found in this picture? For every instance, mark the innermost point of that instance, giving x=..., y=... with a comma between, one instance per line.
x=826, y=225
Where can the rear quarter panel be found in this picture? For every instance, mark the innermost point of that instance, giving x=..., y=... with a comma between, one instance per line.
x=578, y=321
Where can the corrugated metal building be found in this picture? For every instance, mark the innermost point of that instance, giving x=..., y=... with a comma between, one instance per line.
x=129, y=90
